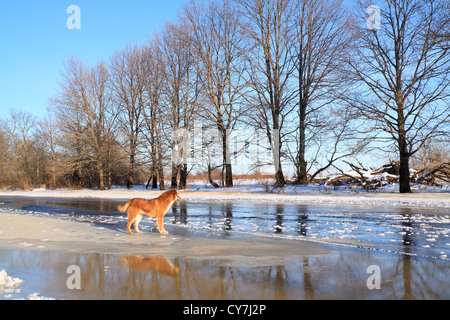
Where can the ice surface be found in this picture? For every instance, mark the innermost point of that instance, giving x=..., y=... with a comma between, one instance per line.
x=352, y=219
x=251, y=231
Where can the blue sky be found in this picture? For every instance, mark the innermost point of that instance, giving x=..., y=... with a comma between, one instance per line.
x=35, y=41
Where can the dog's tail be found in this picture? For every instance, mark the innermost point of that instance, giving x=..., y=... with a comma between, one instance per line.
x=124, y=207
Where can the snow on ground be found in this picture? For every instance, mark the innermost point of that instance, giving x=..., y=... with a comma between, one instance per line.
x=253, y=190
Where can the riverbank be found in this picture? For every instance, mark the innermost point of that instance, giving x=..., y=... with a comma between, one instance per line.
x=311, y=195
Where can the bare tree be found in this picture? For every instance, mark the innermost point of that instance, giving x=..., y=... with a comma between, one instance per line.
x=101, y=118
x=48, y=131
x=180, y=93
x=6, y=158
x=19, y=129
x=153, y=117
x=321, y=37
x=402, y=74
x=85, y=114
x=128, y=81
x=213, y=33
x=269, y=32
x=433, y=154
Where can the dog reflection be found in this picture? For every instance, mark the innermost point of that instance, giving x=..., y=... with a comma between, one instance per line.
x=159, y=264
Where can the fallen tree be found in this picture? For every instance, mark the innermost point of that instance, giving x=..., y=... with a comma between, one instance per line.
x=371, y=179
x=433, y=176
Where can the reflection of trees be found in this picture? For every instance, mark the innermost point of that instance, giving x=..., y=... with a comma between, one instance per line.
x=279, y=208
x=406, y=240
x=83, y=206
x=416, y=280
x=96, y=267
x=341, y=275
x=278, y=275
x=302, y=219
x=270, y=217
x=179, y=212
x=307, y=281
x=201, y=279
x=227, y=212
x=407, y=226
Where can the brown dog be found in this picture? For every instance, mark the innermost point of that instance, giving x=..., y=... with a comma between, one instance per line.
x=155, y=208
x=158, y=263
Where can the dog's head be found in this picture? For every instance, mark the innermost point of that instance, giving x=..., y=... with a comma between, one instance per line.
x=175, y=194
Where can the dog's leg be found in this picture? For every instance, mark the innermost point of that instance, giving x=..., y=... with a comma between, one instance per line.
x=161, y=226
x=136, y=223
x=130, y=222
x=132, y=214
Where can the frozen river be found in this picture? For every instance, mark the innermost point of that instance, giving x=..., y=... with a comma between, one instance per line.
x=410, y=245
x=413, y=231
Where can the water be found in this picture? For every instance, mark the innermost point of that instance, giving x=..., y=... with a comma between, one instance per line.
x=418, y=232
x=413, y=231
x=411, y=246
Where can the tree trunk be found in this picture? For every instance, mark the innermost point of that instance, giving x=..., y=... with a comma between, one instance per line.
x=280, y=182
x=108, y=167
x=215, y=185
x=53, y=172
x=227, y=160
x=302, y=176
x=402, y=147
x=155, y=181
x=161, y=174
x=101, y=172
x=276, y=150
x=101, y=182
x=174, y=183
x=404, y=166
x=228, y=176
x=130, y=180
x=183, y=176
x=154, y=174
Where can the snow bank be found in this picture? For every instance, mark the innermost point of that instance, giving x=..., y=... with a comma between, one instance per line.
x=8, y=282
x=8, y=287
x=250, y=190
x=37, y=296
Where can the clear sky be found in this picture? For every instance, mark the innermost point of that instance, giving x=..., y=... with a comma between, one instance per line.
x=35, y=41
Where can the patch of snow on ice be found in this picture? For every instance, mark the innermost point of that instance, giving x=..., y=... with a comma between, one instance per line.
x=9, y=284
x=37, y=296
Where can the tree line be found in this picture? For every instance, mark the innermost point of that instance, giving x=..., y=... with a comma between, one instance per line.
x=320, y=81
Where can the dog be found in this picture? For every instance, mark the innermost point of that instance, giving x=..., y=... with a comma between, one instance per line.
x=158, y=263
x=155, y=208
